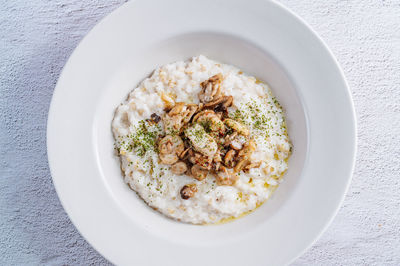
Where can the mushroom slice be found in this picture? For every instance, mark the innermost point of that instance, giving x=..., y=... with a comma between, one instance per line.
x=191, y=109
x=248, y=149
x=210, y=121
x=179, y=168
x=240, y=165
x=184, y=153
x=168, y=101
x=211, y=89
x=168, y=158
x=169, y=149
x=244, y=155
x=216, y=162
x=229, y=158
x=171, y=144
x=217, y=157
x=179, y=115
x=188, y=191
x=155, y=117
x=220, y=104
x=198, y=172
x=225, y=177
x=228, y=101
x=177, y=109
x=237, y=126
x=252, y=165
x=213, y=103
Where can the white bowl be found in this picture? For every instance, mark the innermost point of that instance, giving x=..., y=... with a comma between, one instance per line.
x=263, y=39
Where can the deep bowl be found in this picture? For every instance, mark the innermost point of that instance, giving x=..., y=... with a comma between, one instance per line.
x=263, y=39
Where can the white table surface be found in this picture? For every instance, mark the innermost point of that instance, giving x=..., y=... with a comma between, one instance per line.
x=37, y=37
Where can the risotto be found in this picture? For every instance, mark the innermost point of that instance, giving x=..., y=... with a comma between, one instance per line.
x=201, y=141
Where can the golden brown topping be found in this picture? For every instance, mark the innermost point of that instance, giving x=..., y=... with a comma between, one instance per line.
x=225, y=177
x=235, y=141
x=228, y=101
x=176, y=109
x=240, y=165
x=179, y=115
x=252, y=165
x=202, y=113
x=248, y=149
x=216, y=78
x=244, y=156
x=168, y=158
x=211, y=88
x=172, y=124
x=216, y=162
x=210, y=122
x=229, y=158
x=200, y=160
x=170, y=144
x=188, y=191
x=208, y=146
x=214, y=102
x=184, y=153
x=220, y=103
x=179, y=168
x=229, y=138
x=217, y=157
x=189, y=112
x=238, y=127
x=216, y=166
x=169, y=148
x=168, y=101
x=198, y=172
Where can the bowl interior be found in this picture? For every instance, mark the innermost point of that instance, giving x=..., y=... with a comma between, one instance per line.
x=229, y=49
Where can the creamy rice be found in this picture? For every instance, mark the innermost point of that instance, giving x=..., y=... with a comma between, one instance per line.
x=253, y=104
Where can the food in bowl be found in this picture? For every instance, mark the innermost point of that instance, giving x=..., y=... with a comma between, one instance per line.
x=201, y=141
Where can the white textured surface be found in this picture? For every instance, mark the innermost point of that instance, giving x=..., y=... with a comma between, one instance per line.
x=36, y=39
